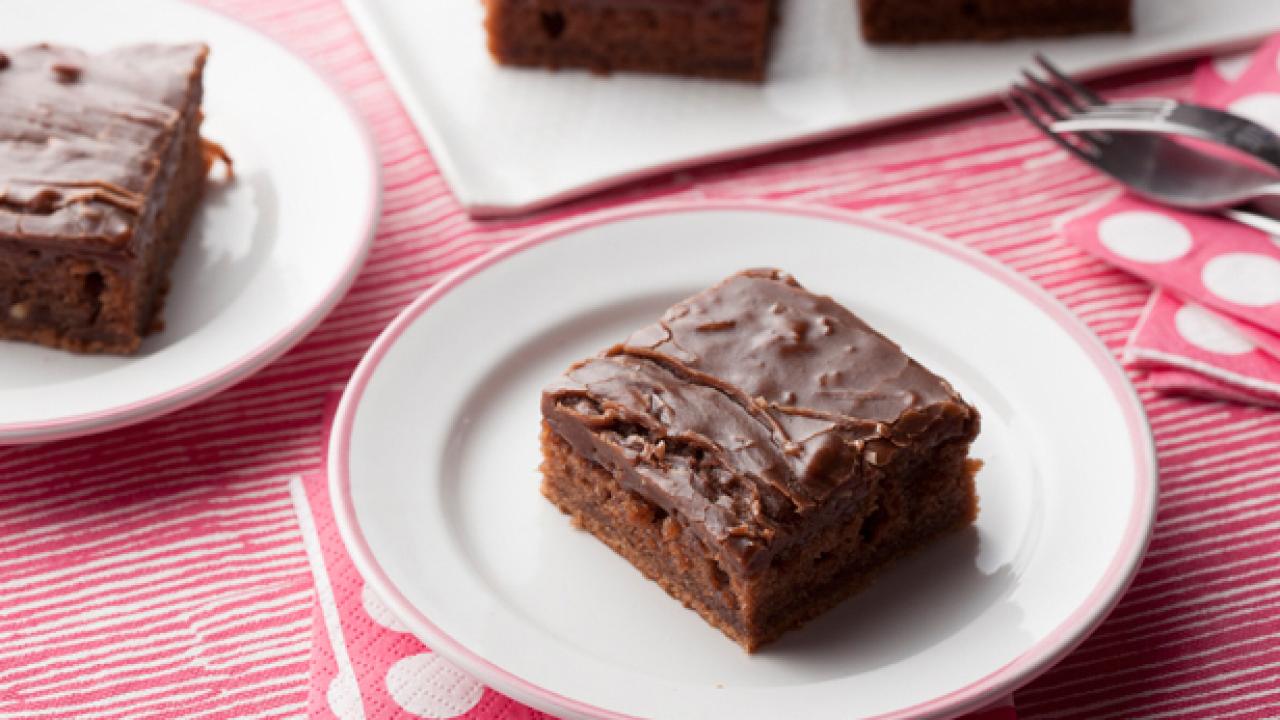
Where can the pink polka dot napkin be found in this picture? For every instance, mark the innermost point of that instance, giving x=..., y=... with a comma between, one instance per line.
x=365, y=664
x=1212, y=327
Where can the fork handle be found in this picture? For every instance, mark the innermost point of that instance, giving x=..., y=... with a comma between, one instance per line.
x=1267, y=202
x=1236, y=131
x=1266, y=223
x=1250, y=139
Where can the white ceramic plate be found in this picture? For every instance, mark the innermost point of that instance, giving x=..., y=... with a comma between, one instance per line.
x=509, y=140
x=268, y=255
x=434, y=459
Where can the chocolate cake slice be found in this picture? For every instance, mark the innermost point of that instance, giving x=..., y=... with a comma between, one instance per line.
x=913, y=21
x=759, y=452
x=101, y=169
x=707, y=38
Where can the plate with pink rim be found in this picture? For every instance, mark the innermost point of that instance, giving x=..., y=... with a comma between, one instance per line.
x=268, y=254
x=434, y=475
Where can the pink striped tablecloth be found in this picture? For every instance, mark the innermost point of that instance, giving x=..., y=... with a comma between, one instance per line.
x=158, y=571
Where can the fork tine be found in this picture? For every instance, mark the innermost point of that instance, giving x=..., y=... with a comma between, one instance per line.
x=1038, y=98
x=1090, y=141
x=1020, y=100
x=1090, y=97
x=1014, y=100
x=1068, y=100
x=1052, y=90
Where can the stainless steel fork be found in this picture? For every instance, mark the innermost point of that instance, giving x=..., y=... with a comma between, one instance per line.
x=1153, y=166
x=1178, y=118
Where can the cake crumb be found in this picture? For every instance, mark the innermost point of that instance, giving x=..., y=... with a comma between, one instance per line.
x=66, y=72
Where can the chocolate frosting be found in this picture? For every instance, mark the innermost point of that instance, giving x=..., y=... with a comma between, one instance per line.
x=83, y=137
x=750, y=406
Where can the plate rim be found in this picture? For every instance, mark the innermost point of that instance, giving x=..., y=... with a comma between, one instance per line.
x=1042, y=655
x=196, y=390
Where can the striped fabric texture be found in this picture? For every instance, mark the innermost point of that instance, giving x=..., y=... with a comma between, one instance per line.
x=365, y=665
x=159, y=571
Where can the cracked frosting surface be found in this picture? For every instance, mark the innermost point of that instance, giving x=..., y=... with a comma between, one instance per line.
x=750, y=406
x=83, y=136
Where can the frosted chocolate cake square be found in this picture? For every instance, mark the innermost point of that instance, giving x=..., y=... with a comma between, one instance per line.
x=759, y=452
x=101, y=169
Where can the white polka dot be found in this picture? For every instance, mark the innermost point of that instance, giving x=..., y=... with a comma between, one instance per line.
x=1143, y=236
x=1262, y=108
x=343, y=696
x=1243, y=278
x=1231, y=67
x=378, y=610
x=428, y=686
x=1209, y=332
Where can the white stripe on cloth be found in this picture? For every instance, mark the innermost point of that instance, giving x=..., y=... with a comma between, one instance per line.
x=324, y=598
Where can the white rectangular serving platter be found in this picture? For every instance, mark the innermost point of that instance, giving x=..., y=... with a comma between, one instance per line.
x=512, y=140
